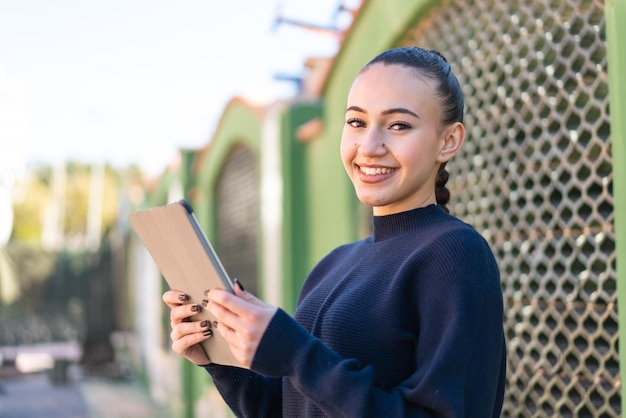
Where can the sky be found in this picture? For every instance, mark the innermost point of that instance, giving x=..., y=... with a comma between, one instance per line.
x=133, y=81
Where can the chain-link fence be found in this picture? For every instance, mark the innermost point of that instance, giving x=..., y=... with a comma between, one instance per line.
x=534, y=177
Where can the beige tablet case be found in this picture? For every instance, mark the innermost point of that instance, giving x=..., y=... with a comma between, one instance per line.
x=180, y=249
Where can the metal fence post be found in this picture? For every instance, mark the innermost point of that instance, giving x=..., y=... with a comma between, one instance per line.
x=616, y=56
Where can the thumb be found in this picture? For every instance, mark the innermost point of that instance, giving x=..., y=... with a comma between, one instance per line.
x=237, y=284
x=244, y=294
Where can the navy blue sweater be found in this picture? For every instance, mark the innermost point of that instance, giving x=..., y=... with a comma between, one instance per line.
x=405, y=323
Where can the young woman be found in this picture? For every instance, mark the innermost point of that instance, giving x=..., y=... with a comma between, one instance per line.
x=405, y=323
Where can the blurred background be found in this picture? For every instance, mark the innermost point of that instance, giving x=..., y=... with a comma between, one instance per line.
x=108, y=108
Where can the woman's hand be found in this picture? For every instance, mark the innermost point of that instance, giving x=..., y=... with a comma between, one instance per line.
x=242, y=320
x=186, y=335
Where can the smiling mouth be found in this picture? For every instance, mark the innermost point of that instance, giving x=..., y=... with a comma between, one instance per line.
x=375, y=171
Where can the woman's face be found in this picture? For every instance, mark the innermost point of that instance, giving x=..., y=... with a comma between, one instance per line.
x=392, y=143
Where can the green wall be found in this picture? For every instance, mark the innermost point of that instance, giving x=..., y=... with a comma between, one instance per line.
x=297, y=207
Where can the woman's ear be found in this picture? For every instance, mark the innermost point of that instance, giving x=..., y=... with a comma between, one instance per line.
x=453, y=138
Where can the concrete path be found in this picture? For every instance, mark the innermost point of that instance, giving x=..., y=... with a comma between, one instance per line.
x=35, y=396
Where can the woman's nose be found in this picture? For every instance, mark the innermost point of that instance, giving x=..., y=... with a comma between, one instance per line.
x=372, y=144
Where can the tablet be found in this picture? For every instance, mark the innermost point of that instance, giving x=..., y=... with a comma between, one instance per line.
x=186, y=259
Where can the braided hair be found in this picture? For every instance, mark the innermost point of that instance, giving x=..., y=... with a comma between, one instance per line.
x=431, y=64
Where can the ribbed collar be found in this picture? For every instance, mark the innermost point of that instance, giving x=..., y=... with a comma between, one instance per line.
x=390, y=226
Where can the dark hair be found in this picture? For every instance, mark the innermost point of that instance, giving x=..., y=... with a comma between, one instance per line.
x=431, y=64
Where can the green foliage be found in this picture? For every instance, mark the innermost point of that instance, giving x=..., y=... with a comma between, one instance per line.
x=34, y=266
x=36, y=199
x=31, y=198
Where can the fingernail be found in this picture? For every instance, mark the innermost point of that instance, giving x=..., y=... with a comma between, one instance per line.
x=206, y=292
x=204, y=323
x=195, y=308
x=215, y=324
x=183, y=297
x=205, y=302
x=238, y=283
x=208, y=333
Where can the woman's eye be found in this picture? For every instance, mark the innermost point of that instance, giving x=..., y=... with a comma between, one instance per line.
x=355, y=123
x=399, y=126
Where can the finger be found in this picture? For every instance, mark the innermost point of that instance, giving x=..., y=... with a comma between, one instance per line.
x=242, y=340
x=241, y=292
x=174, y=298
x=240, y=326
x=238, y=303
x=241, y=311
x=240, y=344
x=236, y=324
x=181, y=313
x=184, y=329
x=221, y=311
x=247, y=296
x=183, y=344
x=238, y=284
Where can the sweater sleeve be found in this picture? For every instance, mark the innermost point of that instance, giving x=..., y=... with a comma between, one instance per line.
x=248, y=394
x=459, y=356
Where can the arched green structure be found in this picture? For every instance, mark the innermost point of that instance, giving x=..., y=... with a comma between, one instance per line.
x=240, y=124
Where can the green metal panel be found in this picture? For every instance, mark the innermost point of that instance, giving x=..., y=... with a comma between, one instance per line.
x=616, y=57
x=187, y=179
x=296, y=205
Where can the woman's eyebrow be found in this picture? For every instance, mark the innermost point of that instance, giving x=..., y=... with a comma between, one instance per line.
x=386, y=112
x=401, y=110
x=356, y=109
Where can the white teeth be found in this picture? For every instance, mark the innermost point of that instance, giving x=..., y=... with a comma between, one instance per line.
x=373, y=171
